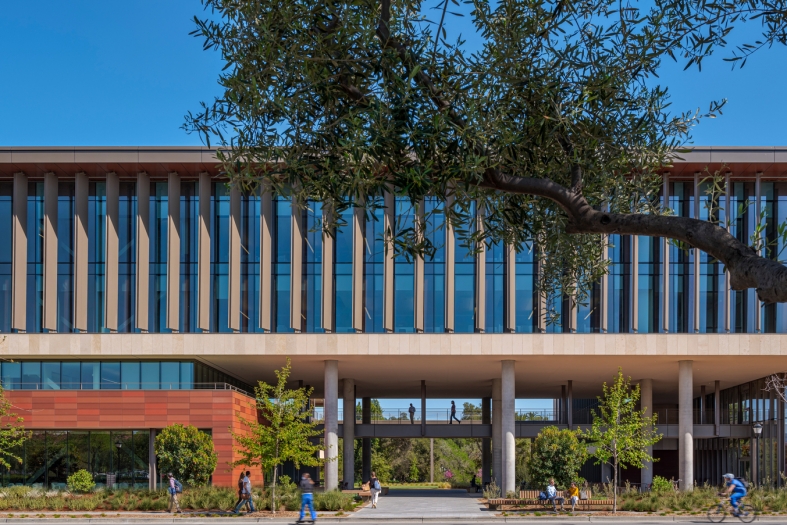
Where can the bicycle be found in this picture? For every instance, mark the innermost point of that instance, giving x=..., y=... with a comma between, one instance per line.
x=719, y=512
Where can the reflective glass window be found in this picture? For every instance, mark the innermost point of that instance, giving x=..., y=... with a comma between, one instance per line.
x=220, y=257
x=343, y=273
x=250, y=211
x=526, y=301
x=712, y=280
x=681, y=264
x=464, y=283
x=404, y=270
x=31, y=375
x=129, y=375
x=151, y=375
x=127, y=257
x=649, y=284
x=96, y=262
x=70, y=375
x=282, y=244
x=50, y=375
x=186, y=376
x=743, y=218
x=91, y=376
x=157, y=298
x=65, y=256
x=495, y=290
x=12, y=375
x=189, y=253
x=374, y=255
x=35, y=256
x=619, y=284
x=6, y=240
x=110, y=375
x=434, y=267
x=170, y=375
x=311, y=305
x=774, y=203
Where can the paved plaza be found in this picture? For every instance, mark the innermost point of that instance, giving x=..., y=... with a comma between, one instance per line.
x=426, y=503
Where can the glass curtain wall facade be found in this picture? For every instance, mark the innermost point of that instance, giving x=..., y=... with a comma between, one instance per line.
x=35, y=256
x=250, y=263
x=127, y=256
x=282, y=256
x=6, y=239
x=434, y=268
x=374, y=255
x=343, y=273
x=96, y=245
x=219, y=257
x=157, y=293
x=404, y=271
x=311, y=277
x=65, y=257
x=189, y=256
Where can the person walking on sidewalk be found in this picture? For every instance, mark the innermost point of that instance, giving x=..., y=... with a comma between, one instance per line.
x=174, y=488
x=374, y=488
x=245, y=494
x=307, y=497
x=453, y=414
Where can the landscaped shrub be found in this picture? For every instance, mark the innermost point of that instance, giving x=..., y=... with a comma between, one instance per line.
x=81, y=481
x=333, y=501
x=660, y=485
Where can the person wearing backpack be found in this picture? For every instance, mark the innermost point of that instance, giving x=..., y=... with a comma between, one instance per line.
x=175, y=488
x=374, y=488
x=307, y=497
x=736, y=488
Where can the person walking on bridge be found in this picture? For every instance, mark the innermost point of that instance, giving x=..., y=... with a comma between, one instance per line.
x=453, y=415
x=411, y=410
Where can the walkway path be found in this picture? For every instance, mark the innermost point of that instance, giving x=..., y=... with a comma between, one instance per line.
x=426, y=503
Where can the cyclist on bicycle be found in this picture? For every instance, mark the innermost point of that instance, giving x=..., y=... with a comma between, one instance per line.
x=736, y=490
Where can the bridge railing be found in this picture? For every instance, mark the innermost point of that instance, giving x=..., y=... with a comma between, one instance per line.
x=402, y=416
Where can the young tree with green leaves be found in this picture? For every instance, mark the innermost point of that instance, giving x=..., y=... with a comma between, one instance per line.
x=12, y=432
x=546, y=116
x=621, y=433
x=186, y=452
x=556, y=454
x=283, y=431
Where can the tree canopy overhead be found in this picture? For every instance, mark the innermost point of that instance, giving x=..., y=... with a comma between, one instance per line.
x=547, y=115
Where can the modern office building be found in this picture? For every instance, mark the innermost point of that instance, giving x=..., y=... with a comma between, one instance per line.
x=137, y=290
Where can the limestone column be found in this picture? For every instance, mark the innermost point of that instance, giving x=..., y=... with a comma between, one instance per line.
x=49, y=313
x=152, y=475
x=366, y=452
x=646, y=402
x=486, y=451
x=497, y=433
x=348, y=399
x=331, y=407
x=685, y=425
x=508, y=430
x=19, y=254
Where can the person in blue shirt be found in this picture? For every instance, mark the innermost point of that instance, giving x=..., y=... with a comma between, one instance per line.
x=735, y=489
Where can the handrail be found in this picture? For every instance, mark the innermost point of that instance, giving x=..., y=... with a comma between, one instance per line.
x=111, y=385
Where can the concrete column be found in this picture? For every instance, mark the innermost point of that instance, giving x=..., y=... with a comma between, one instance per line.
x=331, y=407
x=635, y=283
x=348, y=399
x=19, y=254
x=480, y=276
x=685, y=425
x=423, y=407
x=703, y=408
x=203, y=250
x=431, y=460
x=152, y=475
x=509, y=287
x=173, y=252
x=450, y=258
x=419, y=269
x=717, y=406
x=112, y=253
x=757, y=210
x=486, y=443
x=665, y=247
x=49, y=319
x=143, y=251
x=646, y=402
x=233, y=299
x=366, y=453
x=389, y=232
x=696, y=311
x=497, y=432
x=357, y=268
x=326, y=271
x=727, y=291
x=296, y=266
x=81, y=196
x=508, y=392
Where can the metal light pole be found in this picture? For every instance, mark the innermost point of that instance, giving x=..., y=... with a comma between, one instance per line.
x=118, y=445
x=755, y=459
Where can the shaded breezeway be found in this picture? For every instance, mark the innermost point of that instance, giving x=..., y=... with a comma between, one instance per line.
x=426, y=503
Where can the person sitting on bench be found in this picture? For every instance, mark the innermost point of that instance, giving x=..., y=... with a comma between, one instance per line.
x=573, y=495
x=552, y=495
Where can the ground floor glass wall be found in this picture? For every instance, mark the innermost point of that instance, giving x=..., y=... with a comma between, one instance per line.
x=118, y=458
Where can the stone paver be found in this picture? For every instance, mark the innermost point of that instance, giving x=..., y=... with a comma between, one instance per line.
x=425, y=503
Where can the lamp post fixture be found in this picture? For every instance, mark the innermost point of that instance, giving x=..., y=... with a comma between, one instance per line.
x=755, y=460
x=118, y=445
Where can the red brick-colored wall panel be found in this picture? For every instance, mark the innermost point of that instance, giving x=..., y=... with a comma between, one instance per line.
x=214, y=410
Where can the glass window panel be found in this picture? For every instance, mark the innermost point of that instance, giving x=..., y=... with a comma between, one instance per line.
x=311, y=306
x=78, y=451
x=139, y=458
x=343, y=284
x=12, y=375
x=35, y=460
x=151, y=375
x=464, y=282
x=129, y=374
x=110, y=376
x=404, y=272
x=282, y=241
x=158, y=257
x=186, y=376
x=250, y=263
x=65, y=256
x=70, y=375
x=495, y=293
x=31, y=375
x=220, y=253
x=57, y=466
x=189, y=241
x=50, y=375
x=91, y=376
x=96, y=263
x=127, y=257
x=35, y=256
x=6, y=229
x=123, y=443
x=101, y=457
x=374, y=254
x=170, y=375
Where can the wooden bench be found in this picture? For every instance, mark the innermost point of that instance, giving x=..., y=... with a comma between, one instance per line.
x=528, y=498
x=365, y=495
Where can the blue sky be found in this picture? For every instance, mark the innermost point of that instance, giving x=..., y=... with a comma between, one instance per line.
x=88, y=72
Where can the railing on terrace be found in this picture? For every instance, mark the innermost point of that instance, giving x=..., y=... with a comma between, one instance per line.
x=109, y=385
x=401, y=416
x=665, y=416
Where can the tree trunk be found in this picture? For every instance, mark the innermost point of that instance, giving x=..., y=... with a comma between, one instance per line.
x=615, y=486
x=273, y=492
